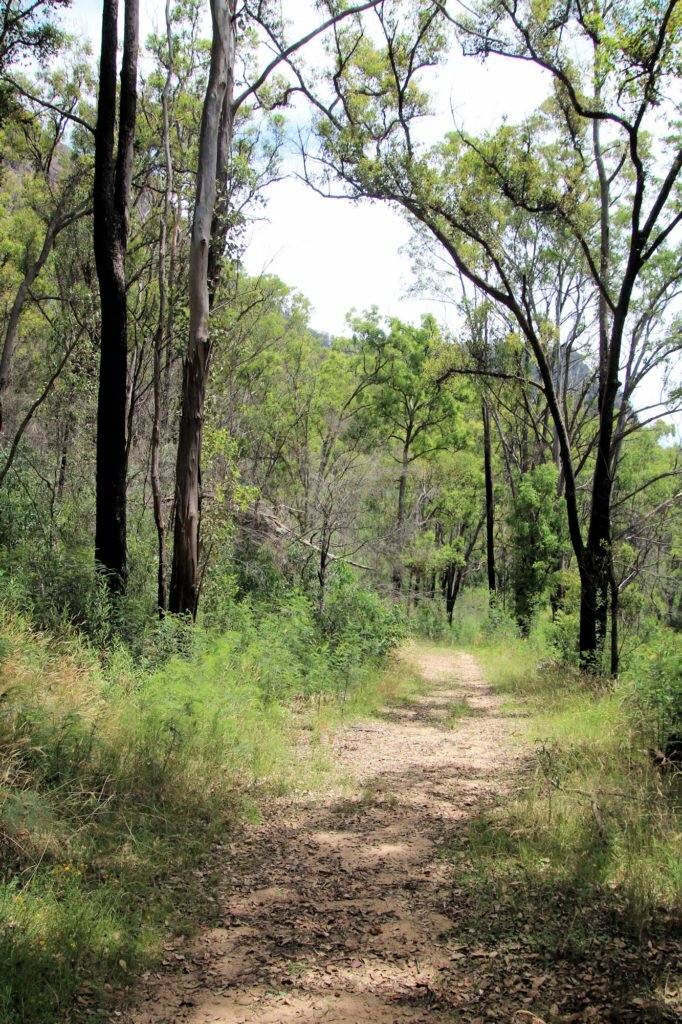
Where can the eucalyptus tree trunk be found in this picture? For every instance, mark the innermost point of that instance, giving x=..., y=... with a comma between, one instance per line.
x=400, y=519
x=214, y=144
x=489, y=499
x=161, y=339
x=205, y=262
x=596, y=568
x=111, y=204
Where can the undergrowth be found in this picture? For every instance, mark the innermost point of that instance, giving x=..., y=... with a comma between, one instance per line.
x=595, y=814
x=117, y=779
x=580, y=863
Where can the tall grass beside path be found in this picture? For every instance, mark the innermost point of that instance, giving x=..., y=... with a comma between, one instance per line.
x=115, y=782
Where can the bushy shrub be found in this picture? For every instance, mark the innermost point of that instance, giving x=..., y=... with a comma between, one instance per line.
x=654, y=679
x=564, y=628
x=500, y=623
x=429, y=619
x=357, y=618
x=60, y=590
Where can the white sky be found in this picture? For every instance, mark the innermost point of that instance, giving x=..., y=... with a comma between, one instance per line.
x=343, y=255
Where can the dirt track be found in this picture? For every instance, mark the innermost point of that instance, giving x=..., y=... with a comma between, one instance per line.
x=333, y=908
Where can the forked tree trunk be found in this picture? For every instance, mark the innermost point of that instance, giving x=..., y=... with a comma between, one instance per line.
x=207, y=239
x=455, y=576
x=111, y=202
x=214, y=141
x=596, y=562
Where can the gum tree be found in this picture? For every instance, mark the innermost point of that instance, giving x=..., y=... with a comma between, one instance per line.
x=231, y=29
x=593, y=163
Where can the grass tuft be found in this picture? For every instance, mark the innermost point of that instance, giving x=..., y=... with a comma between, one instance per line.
x=457, y=710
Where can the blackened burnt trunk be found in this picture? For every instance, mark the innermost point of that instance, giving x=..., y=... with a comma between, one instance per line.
x=111, y=201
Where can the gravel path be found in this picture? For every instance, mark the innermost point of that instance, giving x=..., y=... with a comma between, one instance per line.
x=333, y=907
